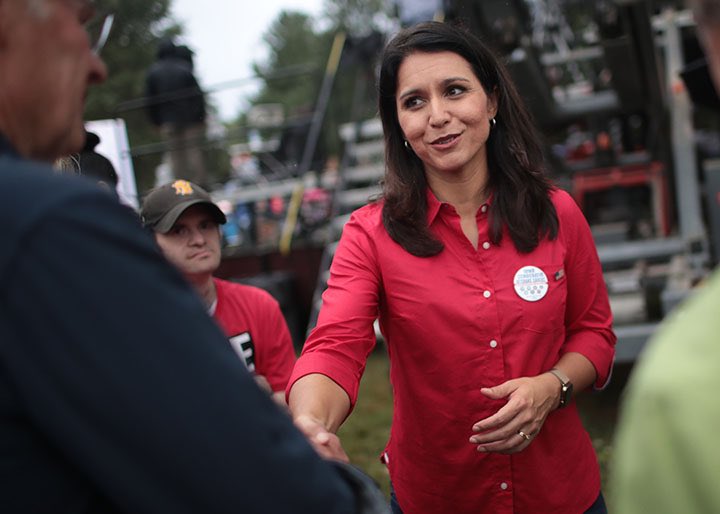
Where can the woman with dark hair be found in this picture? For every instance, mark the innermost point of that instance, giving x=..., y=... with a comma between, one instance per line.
x=489, y=293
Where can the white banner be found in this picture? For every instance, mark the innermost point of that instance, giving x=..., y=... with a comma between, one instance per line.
x=114, y=145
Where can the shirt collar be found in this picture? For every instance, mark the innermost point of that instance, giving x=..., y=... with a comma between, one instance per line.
x=433, y=204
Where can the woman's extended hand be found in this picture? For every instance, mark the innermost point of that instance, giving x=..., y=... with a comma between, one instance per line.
x=512, y=428
x=325, y=442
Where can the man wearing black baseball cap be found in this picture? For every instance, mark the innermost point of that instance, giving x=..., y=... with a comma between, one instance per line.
x=163, y=205
x=185, y=220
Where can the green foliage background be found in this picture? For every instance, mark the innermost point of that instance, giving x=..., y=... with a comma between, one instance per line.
x=294, y=41
x=295, y=38
x=131, y=48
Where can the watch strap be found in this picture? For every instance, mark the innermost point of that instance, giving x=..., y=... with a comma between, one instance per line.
x=566, y=387
x=562, y=377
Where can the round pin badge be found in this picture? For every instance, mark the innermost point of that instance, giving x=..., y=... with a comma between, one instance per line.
x=531, y=283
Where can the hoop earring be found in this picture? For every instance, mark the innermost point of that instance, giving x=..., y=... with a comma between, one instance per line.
x=493, y=122
x=407, y=145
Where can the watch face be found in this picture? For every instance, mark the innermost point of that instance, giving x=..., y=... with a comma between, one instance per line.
x=566, y=394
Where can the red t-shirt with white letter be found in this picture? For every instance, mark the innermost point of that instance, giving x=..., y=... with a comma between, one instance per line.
x=254, y=324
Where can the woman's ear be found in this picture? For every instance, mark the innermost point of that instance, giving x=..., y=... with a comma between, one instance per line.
x=492, y=104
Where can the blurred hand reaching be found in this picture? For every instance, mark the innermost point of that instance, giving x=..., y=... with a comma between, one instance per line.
x=325, y=442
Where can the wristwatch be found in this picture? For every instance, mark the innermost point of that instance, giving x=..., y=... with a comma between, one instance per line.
x=567, y=387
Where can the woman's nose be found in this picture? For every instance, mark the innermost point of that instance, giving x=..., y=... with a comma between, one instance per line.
x=439, y=115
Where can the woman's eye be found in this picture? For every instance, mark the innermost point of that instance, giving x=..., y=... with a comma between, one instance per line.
x=411, y=102
x=455, y=90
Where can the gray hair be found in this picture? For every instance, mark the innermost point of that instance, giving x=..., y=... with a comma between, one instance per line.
x=69, y=165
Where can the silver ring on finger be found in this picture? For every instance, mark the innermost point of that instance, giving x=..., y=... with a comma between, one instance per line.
x=525, y=436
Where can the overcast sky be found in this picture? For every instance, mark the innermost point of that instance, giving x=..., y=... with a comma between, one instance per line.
x=226, y=36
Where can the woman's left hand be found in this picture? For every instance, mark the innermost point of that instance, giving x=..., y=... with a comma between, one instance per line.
x=512, y=428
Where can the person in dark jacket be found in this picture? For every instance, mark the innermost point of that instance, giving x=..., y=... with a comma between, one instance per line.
x=95, y=165
x=118, y=393
x=176, y=106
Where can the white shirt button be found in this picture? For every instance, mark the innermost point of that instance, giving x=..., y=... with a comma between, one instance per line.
x=486, y=245
x=493, y=344
x=504, y=486
x=483, y=208
x=486, y=294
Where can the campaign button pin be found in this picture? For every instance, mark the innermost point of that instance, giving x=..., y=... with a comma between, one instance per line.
x=531, y=283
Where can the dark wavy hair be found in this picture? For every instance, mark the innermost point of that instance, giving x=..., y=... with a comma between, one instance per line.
x=521, y=190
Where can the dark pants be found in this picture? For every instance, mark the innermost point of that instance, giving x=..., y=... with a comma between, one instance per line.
x=596, y=508
x=187, y=157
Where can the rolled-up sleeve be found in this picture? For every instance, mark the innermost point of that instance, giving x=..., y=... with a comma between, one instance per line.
x=339, y=345
x=588, y=318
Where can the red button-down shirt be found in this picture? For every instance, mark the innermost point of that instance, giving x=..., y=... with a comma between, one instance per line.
x=454, y=323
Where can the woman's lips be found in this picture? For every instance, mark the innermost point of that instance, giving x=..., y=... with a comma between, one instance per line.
x=445, y=140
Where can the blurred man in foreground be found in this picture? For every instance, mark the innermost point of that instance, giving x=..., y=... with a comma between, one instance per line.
x=117, y=392
x=666, y=458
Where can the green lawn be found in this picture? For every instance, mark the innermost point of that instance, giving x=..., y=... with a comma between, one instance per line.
x=365, y=433
x=367, y=429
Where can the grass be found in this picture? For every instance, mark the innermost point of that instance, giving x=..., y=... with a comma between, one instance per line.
x=599, y=412
x=367, y=429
